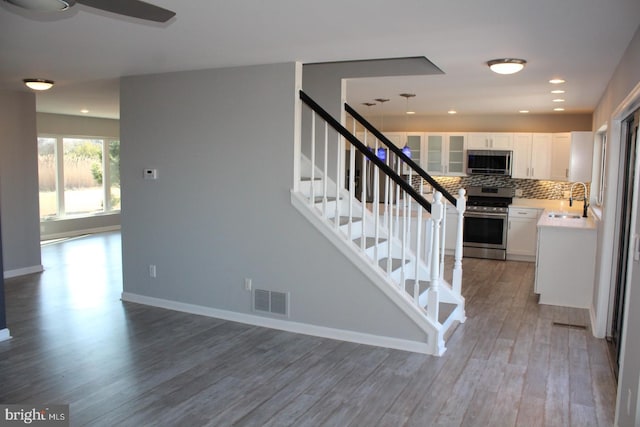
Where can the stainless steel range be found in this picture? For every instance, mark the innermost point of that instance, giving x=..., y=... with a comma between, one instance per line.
x=486, y=222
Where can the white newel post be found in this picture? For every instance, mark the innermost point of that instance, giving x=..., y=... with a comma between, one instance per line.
x=461, y=206
x=432, y=294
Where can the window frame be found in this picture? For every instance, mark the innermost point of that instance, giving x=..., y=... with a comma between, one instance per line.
x=107, y=208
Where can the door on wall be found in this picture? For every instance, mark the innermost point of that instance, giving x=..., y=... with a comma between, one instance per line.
x=625, y=237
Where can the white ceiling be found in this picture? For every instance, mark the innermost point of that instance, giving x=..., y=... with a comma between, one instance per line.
x=85, y=50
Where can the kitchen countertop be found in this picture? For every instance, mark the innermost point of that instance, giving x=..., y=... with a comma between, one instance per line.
x=588, y=223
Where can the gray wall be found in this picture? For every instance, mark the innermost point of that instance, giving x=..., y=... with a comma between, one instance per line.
x=625, y=79
x=220, y=211
x=19, y=182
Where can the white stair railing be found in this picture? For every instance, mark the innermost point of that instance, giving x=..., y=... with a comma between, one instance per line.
x=378, y=213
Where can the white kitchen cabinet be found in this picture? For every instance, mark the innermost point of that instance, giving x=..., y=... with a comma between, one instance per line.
x=522, y=234
x=572, y=156
x=490, y=141
x=414, y=141
x=444, y=154
x=532, y=155
x=565, y=266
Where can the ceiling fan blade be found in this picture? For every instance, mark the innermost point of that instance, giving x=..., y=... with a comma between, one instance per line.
x=133, y=8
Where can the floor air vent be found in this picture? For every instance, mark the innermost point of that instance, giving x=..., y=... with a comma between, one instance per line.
x=271, y=302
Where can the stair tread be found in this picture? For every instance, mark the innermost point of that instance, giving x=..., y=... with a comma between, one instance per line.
x=396, y=263
x=320, y=199
x=369, y=241
x=344, y=220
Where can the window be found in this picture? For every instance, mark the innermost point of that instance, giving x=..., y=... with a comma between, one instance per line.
x=598, y=181
x=78, y=176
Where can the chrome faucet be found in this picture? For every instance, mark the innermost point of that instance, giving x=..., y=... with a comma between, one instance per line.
x=586, y=200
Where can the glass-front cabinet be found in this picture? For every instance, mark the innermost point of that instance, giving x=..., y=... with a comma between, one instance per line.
x=444, y=153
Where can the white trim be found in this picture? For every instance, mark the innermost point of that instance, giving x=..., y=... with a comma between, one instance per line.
x=74, y=233
x=8, y=274
x=283, y=325
x=5, y=334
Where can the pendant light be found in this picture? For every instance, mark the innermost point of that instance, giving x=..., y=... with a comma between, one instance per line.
x=381, y=153
x=406, y=150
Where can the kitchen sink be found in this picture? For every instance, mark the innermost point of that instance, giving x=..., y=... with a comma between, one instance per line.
x=564, y=216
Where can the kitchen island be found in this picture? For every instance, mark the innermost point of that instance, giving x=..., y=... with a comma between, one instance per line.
x=565, y=265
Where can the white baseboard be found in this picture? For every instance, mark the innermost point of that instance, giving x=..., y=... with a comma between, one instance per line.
x=8, y=274
x=4, y=334
x=283, y=325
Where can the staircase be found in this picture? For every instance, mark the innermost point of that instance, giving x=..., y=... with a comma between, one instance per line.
x=363, y=203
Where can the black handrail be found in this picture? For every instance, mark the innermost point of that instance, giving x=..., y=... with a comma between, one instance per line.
x=398, y=152
x=365, y=151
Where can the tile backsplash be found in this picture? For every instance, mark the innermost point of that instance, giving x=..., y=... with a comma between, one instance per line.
x=531, y=188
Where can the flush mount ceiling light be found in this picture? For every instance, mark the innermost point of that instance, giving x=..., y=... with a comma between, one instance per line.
x=38, y=84
x=506, y=65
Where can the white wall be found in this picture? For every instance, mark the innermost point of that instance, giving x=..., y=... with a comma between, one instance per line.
x=62, y=124
x=220, y=211
x=615, y=103
x=19, y=183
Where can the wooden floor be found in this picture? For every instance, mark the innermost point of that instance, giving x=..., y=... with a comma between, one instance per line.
x=122, y=364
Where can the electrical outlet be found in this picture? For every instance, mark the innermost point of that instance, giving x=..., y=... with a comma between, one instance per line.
x=247, y=284
x=566, y=194
x=518, y=192
x=152, y=271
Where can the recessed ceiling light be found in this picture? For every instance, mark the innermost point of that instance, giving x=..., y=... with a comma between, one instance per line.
x=558, y=100
x=452, y=112
x=524, y=111
x=411, y=112
x=558, y=109
x=84, y=111
x=557, y=91
x=38, y=84
x=556, y=81
x=506, y=65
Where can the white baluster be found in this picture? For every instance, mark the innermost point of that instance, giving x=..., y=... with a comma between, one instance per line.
x=443, y=236
x=432, y=294
x=338, y=182
x=405, y=217
x=312, y=200
x=352, y=183
x=325, y=172
x=363, y=197
x=376, y=211
x=461, y=206
x=416, y=282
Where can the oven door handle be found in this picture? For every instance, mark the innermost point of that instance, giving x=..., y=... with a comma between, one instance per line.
x=485, y=215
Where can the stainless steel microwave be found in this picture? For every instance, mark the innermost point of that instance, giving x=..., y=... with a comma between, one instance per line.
x=489, y=162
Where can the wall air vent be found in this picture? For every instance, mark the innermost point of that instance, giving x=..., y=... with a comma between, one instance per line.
x=271, y=302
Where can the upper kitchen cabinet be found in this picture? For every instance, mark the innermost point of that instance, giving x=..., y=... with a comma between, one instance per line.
x=532, y=155
x=490, y=141
x=572, y=156
x=444, y=153
x=414, y=141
